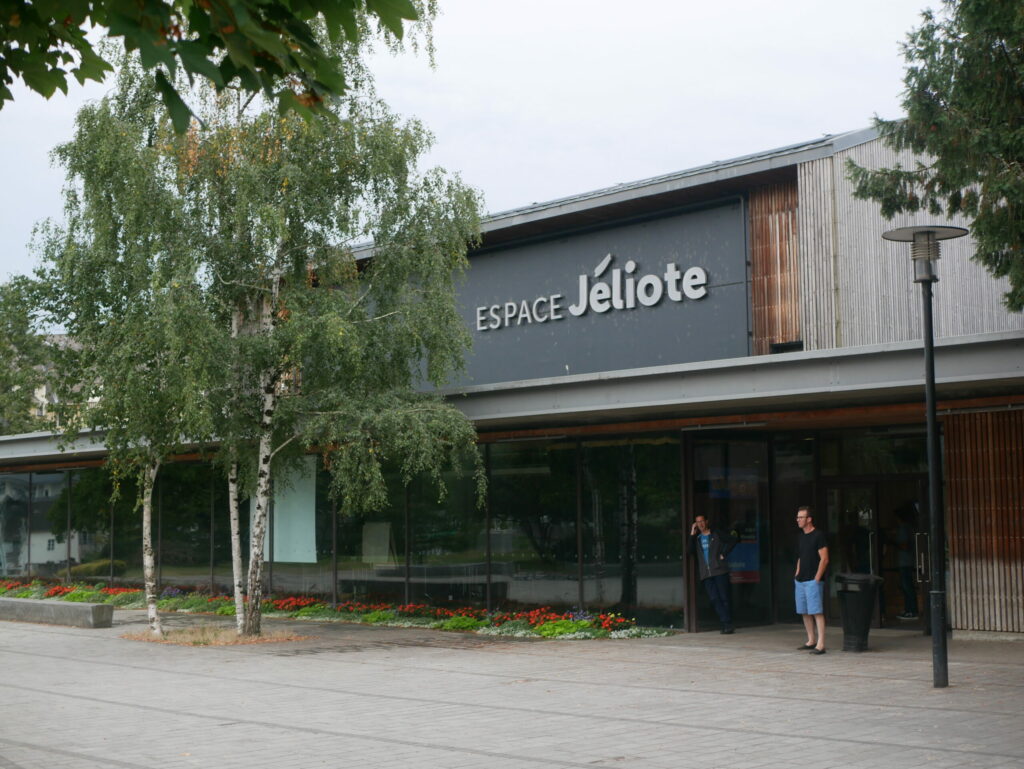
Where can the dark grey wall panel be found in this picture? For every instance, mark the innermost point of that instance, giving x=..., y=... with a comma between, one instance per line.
x=708, y=322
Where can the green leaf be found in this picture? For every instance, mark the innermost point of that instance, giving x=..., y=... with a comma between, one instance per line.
x=195, y=58
x=392, y=13
x=340, y=17
x=180, y=114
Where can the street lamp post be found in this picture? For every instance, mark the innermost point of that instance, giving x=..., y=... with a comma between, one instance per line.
x=924, y=253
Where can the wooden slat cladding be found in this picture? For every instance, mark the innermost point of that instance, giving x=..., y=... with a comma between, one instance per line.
x=817, y=233
x=985, y=488
x=775, y=294
x=857, y=289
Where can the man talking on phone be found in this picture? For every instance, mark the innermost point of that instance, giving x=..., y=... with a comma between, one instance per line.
x=711, y=549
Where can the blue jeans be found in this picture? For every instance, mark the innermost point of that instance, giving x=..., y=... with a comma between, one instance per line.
x=718, y=591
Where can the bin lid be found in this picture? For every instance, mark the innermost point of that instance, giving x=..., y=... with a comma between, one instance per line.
x=851, y=578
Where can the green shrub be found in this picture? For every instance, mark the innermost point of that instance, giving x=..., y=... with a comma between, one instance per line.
x=463, y=623
x=316, y=611
x=517, y=628
x=127, y=600
x=171, y=604
x=375, y=617
x=225, y=610
x=35, y=591
x=563, y=627
x=194, y=602
x=100, y=568
x=85, y=595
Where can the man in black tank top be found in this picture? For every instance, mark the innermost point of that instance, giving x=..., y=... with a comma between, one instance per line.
x=809, y=580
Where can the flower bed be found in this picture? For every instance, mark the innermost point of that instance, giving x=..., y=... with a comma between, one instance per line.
x=542, y=622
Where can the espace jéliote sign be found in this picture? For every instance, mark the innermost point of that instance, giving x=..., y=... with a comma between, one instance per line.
x=627, y=296
x=623, y=289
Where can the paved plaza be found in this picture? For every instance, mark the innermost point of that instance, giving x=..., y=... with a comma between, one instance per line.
x=356, y=696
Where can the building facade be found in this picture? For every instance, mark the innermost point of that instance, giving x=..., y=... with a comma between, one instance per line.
x=733, y=340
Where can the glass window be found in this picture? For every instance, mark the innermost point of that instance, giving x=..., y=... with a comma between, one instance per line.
x=730, y=488
x=14, y=526
x=863, y=452
x=371, y=547
x=92, y=515
x=792, y=485
x=533, y=514
x=49, y=520
x=632, y=535
x=181, y=524
x=448, y=541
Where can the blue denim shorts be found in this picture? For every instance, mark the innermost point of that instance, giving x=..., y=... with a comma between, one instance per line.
x=810, y=597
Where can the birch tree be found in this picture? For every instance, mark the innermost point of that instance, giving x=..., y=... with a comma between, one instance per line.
x=24, y=355
x=120, y=278
x=330, y=344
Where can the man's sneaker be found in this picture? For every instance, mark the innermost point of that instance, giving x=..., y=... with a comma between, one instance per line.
x=907, y=615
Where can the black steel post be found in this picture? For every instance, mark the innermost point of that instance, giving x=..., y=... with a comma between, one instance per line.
x=580, y=595
x=111, y=542
x=213, y=575
x=936, y=521
x=488, y=525
x=334, y=554
x=408, y=546
x=67, y=533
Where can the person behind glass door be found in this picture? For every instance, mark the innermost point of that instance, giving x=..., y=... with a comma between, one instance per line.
x=905, y=561
x=711, y=549
x=809, y=580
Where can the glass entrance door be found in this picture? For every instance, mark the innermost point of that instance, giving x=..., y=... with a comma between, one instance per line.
x=902, y=525
x=851, y=523
x=877, y=527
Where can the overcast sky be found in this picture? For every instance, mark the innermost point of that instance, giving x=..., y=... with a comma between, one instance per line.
x=534, y=100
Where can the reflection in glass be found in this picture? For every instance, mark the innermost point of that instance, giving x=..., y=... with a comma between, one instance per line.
x=730, y=480
x=792, y=486
x=371, y=547
x=293, y=546
x=52, y=551
x=533, y=519
x=14, y=526
x=448, y=542
x=632, y=537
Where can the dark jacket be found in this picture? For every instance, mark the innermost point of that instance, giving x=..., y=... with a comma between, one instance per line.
x=719, y=548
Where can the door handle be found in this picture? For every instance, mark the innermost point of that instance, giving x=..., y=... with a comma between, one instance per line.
x=921, y=556
x=871, y=552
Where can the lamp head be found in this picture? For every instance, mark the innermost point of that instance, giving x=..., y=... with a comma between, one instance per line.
x=924, y=250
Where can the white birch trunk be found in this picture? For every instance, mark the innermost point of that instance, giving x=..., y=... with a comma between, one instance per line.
x=236, y=549
x=148, y=559
x=257, y=534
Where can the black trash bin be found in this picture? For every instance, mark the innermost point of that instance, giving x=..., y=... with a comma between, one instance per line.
x=857, y=602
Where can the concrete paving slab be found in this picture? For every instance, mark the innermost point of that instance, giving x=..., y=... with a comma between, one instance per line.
x=389, y=697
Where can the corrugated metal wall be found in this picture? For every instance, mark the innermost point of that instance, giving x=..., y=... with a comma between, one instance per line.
x=984, y=455
x=775, y=296
x=857, y=289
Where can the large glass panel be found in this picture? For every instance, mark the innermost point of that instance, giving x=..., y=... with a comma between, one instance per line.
x=449, y=545
x=296, y=548
x=53, y=552
x=371, y=548
x=182, y=502
x=730, y=485
x=866, y=452
x=92, y=516
x=533, y=514
x=792, y=486
x=14, y=525
x=632, y=536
